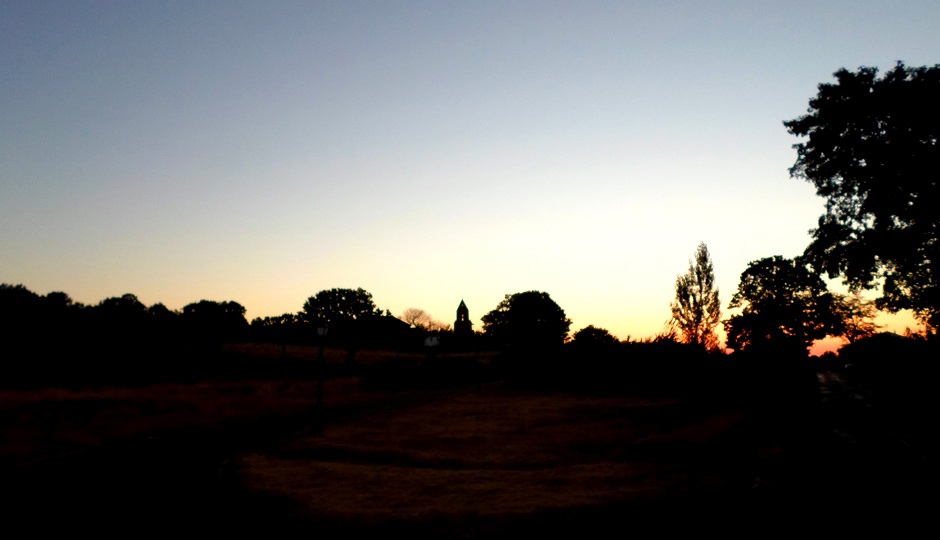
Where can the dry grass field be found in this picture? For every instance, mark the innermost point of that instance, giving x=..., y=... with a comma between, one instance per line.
x=480, y=464
x=49, y=423
x=462, y=461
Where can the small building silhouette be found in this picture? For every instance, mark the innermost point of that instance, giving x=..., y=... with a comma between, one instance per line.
x=463, y=326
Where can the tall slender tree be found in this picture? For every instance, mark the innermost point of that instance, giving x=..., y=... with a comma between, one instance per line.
x=696, y=311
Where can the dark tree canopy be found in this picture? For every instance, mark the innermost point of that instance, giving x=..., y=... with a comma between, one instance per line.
x=872, y=151
x=18, y=306
x=122, y=309
x=120, y=320
x=785, y=308
x=592, y=341
x=340, y=305
x=696, y=312
x=160, y=312
x=528, y=318
x=215, y=322
x=277, y=321
x=591, y=335
x=27, y=319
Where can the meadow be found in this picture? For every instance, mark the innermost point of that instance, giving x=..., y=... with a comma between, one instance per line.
x=487, y=457
x=503, y=460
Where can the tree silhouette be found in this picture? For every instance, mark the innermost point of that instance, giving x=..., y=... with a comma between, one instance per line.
x=696, y=311
x=21, y=315
x=872, y=152
x=339, y=305
x=121, y=308
x=593, y=336
x=121, y=318
x=856, y=315
x=39, y=334
x=416, y=318
x=61, y=321
x=592, y=341
x=159, y=312
x=283, y=329
x=214, y=323
x=528, y=318
x=785, y=308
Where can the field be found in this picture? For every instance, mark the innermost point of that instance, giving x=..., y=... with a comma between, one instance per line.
x=465, y=460
x=503, y=459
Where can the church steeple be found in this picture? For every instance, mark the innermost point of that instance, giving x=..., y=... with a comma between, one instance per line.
x=463, y=326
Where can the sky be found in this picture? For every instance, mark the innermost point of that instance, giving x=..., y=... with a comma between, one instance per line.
x=427, y=152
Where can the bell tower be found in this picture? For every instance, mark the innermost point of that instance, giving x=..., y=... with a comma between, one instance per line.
x=463, y=326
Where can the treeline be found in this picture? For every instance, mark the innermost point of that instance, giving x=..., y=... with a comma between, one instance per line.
x=53, y=323
x=53, y=337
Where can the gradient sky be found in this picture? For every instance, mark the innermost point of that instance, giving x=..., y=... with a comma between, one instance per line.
x=427, y=152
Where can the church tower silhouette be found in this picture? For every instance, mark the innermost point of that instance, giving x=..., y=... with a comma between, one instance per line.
x=463, y=326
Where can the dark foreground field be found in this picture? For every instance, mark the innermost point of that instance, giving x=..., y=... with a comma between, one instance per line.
x=467, y=460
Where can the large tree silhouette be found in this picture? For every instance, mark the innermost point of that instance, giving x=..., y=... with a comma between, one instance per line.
x=696, y=311
x=339, y=306
x=785, y=307
x=215, y=323
x=121, y=321
x=873, y=151
x=528, y=318
x=593, y=341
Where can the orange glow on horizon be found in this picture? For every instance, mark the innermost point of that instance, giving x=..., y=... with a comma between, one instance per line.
x=899, y=323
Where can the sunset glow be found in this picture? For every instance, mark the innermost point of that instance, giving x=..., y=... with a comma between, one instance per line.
x=428, y=152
